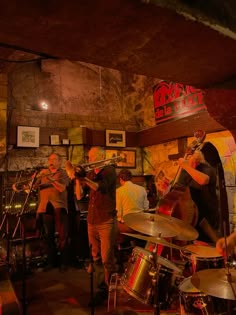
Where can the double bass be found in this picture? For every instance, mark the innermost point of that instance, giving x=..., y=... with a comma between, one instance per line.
x=177, y=201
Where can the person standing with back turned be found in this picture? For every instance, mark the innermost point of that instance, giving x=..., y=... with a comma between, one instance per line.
x=130, y=198
x=101, y=220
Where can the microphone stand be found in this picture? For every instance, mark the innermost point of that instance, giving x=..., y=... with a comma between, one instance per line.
x=6, y=234
x=91, y=281
x=20, y=221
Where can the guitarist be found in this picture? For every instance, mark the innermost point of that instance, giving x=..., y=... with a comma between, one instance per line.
x=200, y=177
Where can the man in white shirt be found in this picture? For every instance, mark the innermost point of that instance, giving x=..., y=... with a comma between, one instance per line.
x=130, y=198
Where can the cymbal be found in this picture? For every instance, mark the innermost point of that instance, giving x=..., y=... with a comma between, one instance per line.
x=160, y=225
x=186, y=231
x=220, y=283
x=151, y=224
x=156, y=240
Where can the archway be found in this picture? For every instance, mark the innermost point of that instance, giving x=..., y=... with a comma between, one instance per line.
x=222, y=216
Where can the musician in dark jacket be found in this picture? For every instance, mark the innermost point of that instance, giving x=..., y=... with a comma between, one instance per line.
x=201, y=179
x=101, y=219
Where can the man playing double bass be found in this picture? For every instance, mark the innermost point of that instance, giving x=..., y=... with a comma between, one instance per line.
x=200, y=177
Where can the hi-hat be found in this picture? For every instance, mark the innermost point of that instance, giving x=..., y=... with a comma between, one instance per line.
x=220, y=283
x=160, y=225
x=156, y=240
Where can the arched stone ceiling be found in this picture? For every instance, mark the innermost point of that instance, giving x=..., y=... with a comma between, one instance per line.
x=182, y=41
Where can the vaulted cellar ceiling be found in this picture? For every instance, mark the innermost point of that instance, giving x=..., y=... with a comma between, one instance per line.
x=192, y=42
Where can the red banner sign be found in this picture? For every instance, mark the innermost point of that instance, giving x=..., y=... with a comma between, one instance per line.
x=175, y=100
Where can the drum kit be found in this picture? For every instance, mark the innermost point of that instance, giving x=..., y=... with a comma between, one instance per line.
x=210, y=286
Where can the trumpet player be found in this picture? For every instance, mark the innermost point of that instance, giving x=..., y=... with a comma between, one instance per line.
x=53, y=209
x=101, y=219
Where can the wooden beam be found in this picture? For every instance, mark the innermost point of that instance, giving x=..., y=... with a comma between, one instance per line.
x=172, y=130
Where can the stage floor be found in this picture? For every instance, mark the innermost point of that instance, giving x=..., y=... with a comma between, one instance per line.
x=56, y=293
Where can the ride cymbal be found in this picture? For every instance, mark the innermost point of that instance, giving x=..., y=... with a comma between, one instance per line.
x=220, y=283
x=151, y=224
x=161, y=225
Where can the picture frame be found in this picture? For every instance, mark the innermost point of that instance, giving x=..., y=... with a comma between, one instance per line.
x=27, y=136
x=128, y=157
x=65, y=141
x=115, y=138
x=54, y=139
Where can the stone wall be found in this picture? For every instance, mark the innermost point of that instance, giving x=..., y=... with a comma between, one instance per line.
x=77, y=94
x=80, y=94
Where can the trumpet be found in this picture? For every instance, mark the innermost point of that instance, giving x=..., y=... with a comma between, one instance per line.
x=81, y=170
x=25, y=184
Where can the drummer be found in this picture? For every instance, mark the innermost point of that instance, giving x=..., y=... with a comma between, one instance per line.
x=130, y=198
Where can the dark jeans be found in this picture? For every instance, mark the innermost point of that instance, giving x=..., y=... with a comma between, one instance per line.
x=56, y=222
x=74, y=235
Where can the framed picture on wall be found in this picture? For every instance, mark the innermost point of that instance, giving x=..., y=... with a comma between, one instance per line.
x=28, y=136
x=128, y=157
x=54, y=140
x=115, y=138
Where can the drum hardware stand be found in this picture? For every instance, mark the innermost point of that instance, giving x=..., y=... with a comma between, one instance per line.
x=228, y=274
x=155, y=277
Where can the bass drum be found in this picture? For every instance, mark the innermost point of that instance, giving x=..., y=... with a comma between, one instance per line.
x=192, y=301
x=137, y=279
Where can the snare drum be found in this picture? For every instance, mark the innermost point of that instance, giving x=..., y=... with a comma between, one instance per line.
x=138, y=277
x=137, y=280
x=118, y=298
x=192, y=301
x=203, y=257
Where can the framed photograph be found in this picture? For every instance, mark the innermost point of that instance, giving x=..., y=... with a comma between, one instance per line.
x=65, y=141
x=115, y=138
x=128, y=157
x=55, y=139
x=27, y=136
